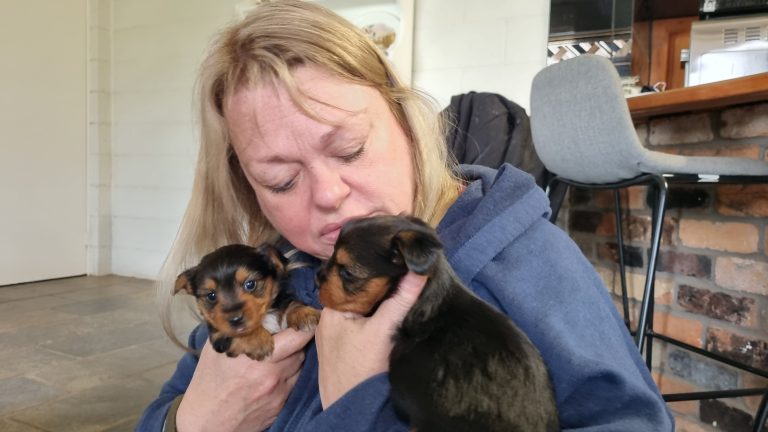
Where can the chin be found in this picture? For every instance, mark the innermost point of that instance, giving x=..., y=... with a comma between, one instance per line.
x=321, y=251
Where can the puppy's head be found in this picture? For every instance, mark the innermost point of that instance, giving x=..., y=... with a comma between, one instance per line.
x=371, y=256
x=235, y=286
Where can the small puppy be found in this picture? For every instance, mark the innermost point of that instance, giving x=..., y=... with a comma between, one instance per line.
x=238, y=292
x=457, y=363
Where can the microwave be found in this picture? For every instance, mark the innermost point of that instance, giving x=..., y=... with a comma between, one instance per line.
x=725, y=48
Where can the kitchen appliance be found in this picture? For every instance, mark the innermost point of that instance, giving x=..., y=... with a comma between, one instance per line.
x=726, y=48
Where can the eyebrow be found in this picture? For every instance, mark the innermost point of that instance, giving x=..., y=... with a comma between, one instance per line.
x=325, y=140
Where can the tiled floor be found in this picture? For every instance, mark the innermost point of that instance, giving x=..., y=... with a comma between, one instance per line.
x=81, y=354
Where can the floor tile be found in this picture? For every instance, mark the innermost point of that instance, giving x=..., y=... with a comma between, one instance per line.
x=83, y=354
x=96, y=341
x=126, y=425
x=92, y=410
x=35, y=335
x=7, y=425
x=105, y=291
x=16, y=319
x=98, y=305
x=23, y=361
x=76, y=375
x=20, y=392
x=160, y=374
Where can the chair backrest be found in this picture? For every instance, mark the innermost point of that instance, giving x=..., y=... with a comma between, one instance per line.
x=580, y=122
x=582, y=129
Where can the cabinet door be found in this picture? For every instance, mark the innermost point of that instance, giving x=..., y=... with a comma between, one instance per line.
x=656, y=48
x=43, y=129
x=670, y=37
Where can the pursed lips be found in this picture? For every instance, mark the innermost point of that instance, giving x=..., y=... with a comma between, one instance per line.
x=330, y=232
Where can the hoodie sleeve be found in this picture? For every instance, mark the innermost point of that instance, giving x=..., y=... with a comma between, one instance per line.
x=549, y=289
x=367, y=407
x=153, y=418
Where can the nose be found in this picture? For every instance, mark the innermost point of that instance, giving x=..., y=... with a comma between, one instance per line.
x=329, y=189
x=236, y=320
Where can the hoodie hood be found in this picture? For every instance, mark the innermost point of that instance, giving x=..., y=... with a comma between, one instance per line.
x=477, y=227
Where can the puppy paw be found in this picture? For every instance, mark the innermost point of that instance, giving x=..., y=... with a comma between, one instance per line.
x=262, y=351
x=257, y=346
x=303, y=318
x=221, y=344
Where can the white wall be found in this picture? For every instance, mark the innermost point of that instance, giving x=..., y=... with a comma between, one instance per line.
x=156, y=49
x=489, y=45
x=99, y=140
x=43, y=114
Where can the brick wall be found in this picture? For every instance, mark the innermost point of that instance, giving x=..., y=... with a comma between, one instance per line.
x=712, y=281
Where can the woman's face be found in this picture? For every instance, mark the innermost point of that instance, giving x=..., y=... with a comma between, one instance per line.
x=310, y=176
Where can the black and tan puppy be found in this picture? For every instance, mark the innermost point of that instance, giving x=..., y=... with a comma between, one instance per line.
x=457, y=363
x=238, y=291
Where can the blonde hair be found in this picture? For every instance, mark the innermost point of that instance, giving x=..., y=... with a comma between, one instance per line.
x=267, y=45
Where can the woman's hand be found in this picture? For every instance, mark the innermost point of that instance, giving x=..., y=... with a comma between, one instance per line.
x=351, y=348
x=240, y=394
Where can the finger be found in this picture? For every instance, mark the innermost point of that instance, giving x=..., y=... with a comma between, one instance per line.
x=289, y=341
x=291, y=365
x=396, y=307
x=333, y=315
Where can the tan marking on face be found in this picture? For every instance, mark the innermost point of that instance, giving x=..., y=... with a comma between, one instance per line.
x=254, y=308
x=343, y=257
x=210, y=285
x=242, y=274
x=362, y=301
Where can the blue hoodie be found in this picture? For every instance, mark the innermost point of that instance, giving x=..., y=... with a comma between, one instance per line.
x=499, y=241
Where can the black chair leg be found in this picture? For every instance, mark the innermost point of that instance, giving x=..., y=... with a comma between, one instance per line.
x=556, y=193
x=657, y=221
x=622, y=269
x=761, y=415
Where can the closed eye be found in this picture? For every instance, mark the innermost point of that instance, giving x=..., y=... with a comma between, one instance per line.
x=282, y=188
x=357, y=154
x=345, y=274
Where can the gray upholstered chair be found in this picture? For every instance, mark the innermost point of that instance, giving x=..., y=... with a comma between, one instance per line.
x=584, y=135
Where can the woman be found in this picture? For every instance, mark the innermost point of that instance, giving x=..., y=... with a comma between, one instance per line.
x=304, y=126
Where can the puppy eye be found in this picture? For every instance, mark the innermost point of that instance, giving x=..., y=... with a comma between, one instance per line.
x=211, y=297
x=345, y=274
x=249, y=285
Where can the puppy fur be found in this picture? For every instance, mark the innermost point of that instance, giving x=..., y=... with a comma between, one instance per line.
x=239, y=294
x=457, y=363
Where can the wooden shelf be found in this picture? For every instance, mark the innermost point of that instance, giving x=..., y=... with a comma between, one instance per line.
x=753, y=88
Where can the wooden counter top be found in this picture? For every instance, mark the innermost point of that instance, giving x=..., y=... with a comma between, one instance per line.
x=753, y=88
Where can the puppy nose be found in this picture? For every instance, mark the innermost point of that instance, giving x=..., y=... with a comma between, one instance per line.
x=236, y=320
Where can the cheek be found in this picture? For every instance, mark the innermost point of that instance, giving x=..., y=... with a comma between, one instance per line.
x=397, y=169
x=288, y=215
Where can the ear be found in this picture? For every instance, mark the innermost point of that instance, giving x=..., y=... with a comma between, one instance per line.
x=184, y=282
x=278, y=260
x=418, y=246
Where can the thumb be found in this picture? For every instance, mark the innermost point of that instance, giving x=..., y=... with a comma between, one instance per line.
x=394, y=309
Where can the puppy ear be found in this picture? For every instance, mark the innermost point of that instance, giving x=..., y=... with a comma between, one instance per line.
x=418, y=246
x=278, y=260
x=184, y=282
